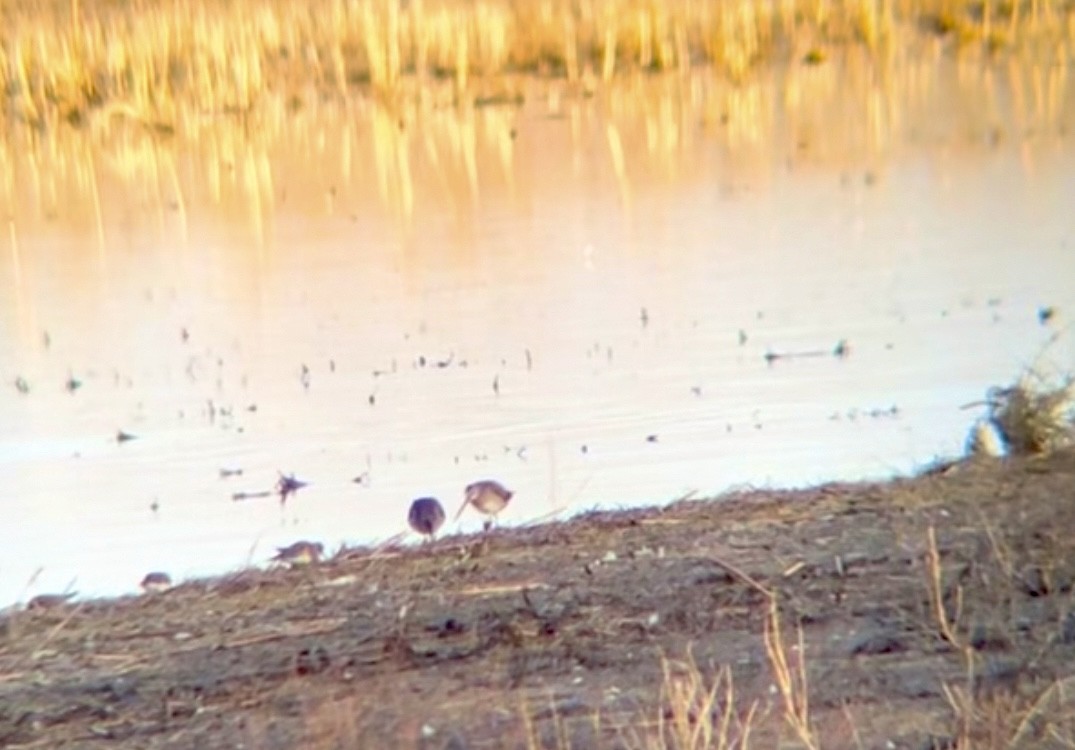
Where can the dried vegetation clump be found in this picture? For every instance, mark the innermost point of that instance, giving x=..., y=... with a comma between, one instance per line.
x=1034, y=416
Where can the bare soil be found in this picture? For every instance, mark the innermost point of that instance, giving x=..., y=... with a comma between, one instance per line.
x=593, y=631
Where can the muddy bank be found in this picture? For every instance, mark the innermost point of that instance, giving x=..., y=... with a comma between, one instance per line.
x=594, y=632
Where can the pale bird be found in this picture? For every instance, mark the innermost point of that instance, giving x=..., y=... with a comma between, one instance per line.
x=487, y=497
x=986, y=439
x=299, y=553
x=426, y=516
x=156, y=582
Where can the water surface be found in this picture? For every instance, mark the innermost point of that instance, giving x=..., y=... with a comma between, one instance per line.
x=580, y=297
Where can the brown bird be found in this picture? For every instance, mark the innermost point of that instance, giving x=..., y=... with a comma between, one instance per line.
x=156, y=582
x=487, y=497
x=299, y=553
x=426, y=516
x=49, y=601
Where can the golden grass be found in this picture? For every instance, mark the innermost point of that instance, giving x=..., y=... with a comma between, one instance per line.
x=790, y=678
x=161, y=60
x=164, y=103
x=697, y=711
x=993, y=719
x=1035, y=415
x=407, y=156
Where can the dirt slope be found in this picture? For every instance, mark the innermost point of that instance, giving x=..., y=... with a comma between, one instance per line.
x=594, y=632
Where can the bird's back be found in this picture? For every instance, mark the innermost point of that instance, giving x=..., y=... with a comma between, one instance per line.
x=488, y=496
x=426, y=515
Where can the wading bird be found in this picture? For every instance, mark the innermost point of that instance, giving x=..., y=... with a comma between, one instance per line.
x=49, y=601
x=487, y=497
x=426, y=516
x=299, y=553
x=156, y=582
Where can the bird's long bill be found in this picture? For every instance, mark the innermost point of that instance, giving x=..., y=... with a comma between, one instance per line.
x=466, y=501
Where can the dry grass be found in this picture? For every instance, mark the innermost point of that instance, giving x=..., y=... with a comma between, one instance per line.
x=160, y=61
x=197, y=138
x=1034, y=416
x=700, y=713
x=697, y=709
x=697, y=712
x=790, y=677
x=1007, y=717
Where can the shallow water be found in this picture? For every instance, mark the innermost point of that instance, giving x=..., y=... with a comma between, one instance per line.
x=576, y=297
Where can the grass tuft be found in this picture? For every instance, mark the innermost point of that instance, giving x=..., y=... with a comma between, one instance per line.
x=698, y=713
x=1033, y=416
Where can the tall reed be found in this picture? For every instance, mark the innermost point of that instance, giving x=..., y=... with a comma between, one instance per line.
x=63, y=60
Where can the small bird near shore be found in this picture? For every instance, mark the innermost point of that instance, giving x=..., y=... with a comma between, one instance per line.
x=488, y=498
x=156, y=582
x=50, y=601
x=299, y=553
x=426, y=516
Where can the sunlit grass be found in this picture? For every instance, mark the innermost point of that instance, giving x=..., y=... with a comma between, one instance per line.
x=183, y=100
x=1033, y=416
x=153, y=60
x=347, y=156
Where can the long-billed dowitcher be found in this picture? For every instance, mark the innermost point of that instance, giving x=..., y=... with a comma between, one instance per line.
x=156, y=582
x=426, y=516
x=488, y=498
x=50, y=601
x=299, y=553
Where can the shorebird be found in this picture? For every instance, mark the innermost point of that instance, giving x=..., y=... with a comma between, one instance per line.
x=287, y=485
x=487, y=497
x=426, y=516
x=986, y=438
x=49, y=601
x=156, y=582
x=299, y=553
